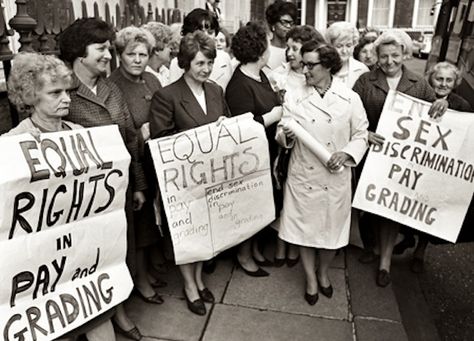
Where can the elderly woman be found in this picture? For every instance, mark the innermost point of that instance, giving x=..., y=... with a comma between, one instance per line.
x=135, y=46
x=344, y=36
x=160, y=56
x=38, y=86
x=317, y=198
x=365, y=53
x=281, y=17
x=85, y=46
x=392, y=48
x=204, y=103
x=201, y=20
x=286, y=77
x=250, y=46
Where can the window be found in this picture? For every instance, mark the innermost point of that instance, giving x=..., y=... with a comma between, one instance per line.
x=422, y=13
x=380, y=13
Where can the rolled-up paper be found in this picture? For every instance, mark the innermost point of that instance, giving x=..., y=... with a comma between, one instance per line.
x=310, y=142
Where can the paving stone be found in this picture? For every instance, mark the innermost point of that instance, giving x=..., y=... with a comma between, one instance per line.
x=367, y=299
x=376, y=330
x=284, y=291
x=216, y=282
x=233, y=323
x=169, y=321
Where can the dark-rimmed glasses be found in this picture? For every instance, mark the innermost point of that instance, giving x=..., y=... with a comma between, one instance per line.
x=286, y=23
x=309, y=65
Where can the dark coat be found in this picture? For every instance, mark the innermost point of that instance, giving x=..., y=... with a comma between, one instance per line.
x=458, y=103
x=174, y=108
x=373, y=88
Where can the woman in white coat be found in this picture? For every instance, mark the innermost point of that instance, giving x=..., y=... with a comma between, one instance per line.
x=317, y=199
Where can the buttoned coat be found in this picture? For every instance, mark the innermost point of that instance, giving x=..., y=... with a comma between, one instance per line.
x=174, y=108
x=317, y=203
x=373, y=88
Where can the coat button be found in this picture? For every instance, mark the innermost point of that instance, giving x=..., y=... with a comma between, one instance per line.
x=325, y=188
x=328, y=144
x=311, y=167
x=313, y=120
x=329, y=120
x=309, y=187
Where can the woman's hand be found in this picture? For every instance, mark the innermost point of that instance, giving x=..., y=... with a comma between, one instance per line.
x=376, y=139
x=288, y=132
x=337, y=160
x=138, y=200
x=273, y=116
x=438, y=108
x=145, y=130
x=219, y=120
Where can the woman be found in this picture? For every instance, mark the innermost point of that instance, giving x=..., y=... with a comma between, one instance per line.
x=134, y=46
x=392, y=48
x=443, y=77
x=284, y=78
x=168, y=115
x=344, y=36
x=365, y=53
x=317, y=199
x=201, y=20
x=281, y=17
x=160, y=57
x=250, y=46
x=85, y=46
x=38, y=86
x=223, y=40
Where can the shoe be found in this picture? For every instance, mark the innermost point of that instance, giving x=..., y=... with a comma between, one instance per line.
x=154, y=299
x=367, y=257
x=159, y=283
x=292, y=262
x=209, y=266
x=206, y=295
x=326, y=291
x=265, y=262
x=311, y=299
x=417, y=265
x=257, y=273
x=383, y=278
x=132, y=334
x=197, y=307
x=406, y=243
x=278, y=262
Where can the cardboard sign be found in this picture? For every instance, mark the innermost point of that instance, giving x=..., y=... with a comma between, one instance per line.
x=423, y=174
x=215, y=185
x=62, y=230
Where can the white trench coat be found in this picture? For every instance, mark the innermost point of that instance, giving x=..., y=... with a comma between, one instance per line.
x=316, y=203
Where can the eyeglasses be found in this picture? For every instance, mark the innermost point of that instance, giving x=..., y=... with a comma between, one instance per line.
x=309, y=65
x=286, y=23
x=206, y=28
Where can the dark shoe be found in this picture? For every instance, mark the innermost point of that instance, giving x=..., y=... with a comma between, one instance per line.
x=406, y=243
x=209, y=266
x=417, y=265
x=292, y=262
x=132, y=334
x=383, y=278
x=311, y=299
x=206, y=295
x=159, y=283
x=278, y=262
x=258, y=273
x=326, y=291
x=367, y=257
x=265, y=262
x=197, y=307
x=154, y=299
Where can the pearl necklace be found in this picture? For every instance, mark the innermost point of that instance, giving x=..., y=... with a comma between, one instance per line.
x=323, y=92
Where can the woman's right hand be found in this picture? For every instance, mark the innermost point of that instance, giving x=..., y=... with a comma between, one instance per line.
x=376, y=139
x=288, y=132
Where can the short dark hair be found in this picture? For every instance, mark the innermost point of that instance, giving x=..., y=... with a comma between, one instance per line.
x=191, y=44
x=328, y=55
x=279, y=8
x=304, y=33
x=81, y=33
x=250, y=42
x=364, y=41
x=193, y=21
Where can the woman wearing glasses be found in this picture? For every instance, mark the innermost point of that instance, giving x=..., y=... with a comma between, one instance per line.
x=317, y=198
x=344, y=37
x=281, y=17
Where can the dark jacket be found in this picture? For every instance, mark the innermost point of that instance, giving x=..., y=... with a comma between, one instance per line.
x=174, y=108
x=458, y=103
x=373, y=88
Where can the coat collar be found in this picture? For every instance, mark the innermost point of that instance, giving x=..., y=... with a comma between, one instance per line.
x=103, y=91
x=190, y=103
x=334, y=95
x=407, y=80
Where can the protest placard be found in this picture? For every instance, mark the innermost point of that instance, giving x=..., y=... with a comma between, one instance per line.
x=215, y=185
x=423, y=174
x=62, y=230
